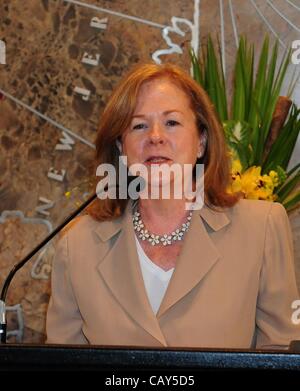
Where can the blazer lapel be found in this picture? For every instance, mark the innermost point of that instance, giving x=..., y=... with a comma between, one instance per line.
x=198, y=255
x=121, y=271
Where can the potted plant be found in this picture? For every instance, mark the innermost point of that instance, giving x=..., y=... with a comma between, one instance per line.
x=261, y=127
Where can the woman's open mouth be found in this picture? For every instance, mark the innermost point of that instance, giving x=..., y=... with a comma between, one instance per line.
x=157, y=160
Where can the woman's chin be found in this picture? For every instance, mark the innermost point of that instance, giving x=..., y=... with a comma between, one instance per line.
x=158, y=188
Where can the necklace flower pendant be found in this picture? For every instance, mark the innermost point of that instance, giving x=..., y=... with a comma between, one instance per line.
x=154, y=239
x=165, y=239
x=139, y=225
x=177, y=235
x=144, y=234
x=185, y=226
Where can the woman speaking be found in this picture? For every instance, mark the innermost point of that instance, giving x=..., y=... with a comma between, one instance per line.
x=150, y=271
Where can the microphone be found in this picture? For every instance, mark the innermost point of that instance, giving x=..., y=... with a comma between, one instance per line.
x=18, y=266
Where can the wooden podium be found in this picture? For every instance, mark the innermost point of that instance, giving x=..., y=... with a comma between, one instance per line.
x=20, y=357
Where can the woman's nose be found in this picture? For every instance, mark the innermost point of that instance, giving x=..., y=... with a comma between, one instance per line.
x=156, y=134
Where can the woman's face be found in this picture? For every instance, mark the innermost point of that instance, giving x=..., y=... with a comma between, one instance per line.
x=163, y=128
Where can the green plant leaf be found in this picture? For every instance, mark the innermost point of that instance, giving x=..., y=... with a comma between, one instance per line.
x=282, y=149
x=292, y=202
x=289, y=173
x=288, y=187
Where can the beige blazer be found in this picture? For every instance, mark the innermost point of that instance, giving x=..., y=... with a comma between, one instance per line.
x=233, y=285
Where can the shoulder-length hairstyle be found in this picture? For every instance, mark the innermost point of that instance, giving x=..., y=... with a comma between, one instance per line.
x=117, y=117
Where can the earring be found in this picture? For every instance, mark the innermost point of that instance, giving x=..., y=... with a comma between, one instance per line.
x=119, y=145
x=202, y=145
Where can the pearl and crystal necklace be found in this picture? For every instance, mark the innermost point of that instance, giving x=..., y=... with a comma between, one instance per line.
x=166, y=239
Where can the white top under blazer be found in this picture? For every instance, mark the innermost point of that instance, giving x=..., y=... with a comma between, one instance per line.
x=156, y=279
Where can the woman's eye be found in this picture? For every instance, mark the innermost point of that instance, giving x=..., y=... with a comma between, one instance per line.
x=139, y=126
x=172, y=122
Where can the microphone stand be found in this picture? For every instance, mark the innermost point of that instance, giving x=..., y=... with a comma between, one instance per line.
x=18, y=266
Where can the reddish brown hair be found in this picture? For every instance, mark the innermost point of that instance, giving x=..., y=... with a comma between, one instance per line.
x=117, y=117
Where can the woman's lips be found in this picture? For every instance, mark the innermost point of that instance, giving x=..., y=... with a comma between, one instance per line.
x=157, y=160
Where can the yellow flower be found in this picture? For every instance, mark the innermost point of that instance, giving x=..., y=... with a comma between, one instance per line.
x=250, y=181
x=252, y=184
x=236, y=185
x=236, y=167
x=275, y=178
